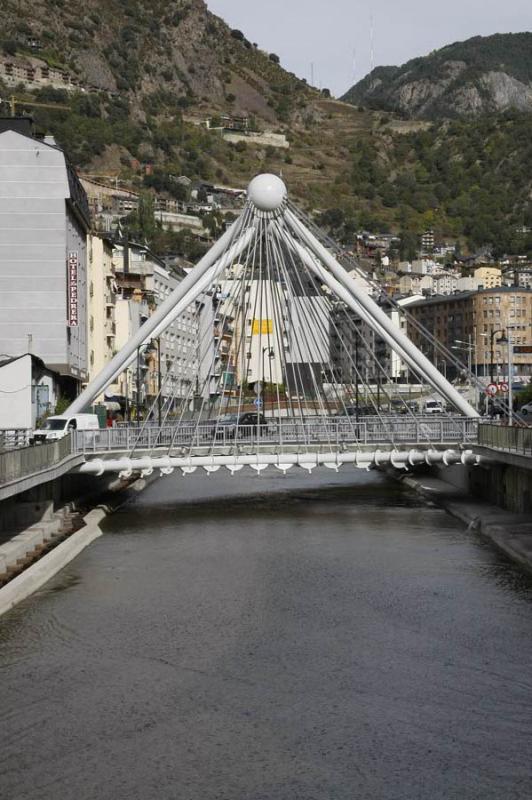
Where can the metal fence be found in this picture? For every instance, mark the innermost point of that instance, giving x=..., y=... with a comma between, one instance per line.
x=330, y=431
x=503, y=437
x=23, y=461
x=10, y=438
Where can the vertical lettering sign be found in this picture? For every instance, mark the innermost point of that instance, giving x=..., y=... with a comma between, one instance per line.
x=72, y=290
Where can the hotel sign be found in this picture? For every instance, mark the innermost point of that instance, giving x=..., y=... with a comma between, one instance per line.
x=72, y=290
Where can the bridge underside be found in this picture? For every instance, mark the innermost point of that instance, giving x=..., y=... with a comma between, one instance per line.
x=363, y=457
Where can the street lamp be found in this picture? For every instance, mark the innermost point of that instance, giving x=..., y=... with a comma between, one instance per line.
x=147, y=347
x=502, y=340
x=155, y=344
x=469, y=347
x=271, y=354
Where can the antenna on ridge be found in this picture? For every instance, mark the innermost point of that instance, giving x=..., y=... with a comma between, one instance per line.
x=372, y=40
x=312, y=73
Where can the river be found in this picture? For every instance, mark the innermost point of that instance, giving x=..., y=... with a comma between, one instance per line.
x=342, y=640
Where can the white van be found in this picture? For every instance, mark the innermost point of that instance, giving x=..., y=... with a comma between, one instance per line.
x=433, y=407
x=61, y=425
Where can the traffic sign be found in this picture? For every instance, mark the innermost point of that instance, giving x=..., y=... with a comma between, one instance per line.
x=503, y=387
x=491, y=388
x=257, y=402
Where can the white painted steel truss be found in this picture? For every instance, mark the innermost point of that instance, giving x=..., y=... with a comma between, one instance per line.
x=271, y=246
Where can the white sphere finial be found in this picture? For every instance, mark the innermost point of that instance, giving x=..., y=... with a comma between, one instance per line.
x=267, y=192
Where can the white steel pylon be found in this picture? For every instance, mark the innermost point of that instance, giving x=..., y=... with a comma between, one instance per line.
x=288, y=239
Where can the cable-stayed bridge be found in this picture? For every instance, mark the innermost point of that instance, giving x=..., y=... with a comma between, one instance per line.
x=295, y=363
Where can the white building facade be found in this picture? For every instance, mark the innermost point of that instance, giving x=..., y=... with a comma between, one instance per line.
x=43, y=261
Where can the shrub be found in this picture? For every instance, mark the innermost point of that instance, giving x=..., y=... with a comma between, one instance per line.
x=10, y=46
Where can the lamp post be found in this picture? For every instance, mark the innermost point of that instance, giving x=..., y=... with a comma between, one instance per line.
x=502, y=340
x=147, y=347
x=470, y=348
x=155, y=345
x=157, y=342
x=271, y=354
x=138, y=386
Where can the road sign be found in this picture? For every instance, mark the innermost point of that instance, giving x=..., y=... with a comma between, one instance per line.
x=257, y=402
x=503, y=387
x=491, y=388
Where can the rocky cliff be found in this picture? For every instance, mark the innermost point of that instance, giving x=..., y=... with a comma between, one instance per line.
x=481, y=75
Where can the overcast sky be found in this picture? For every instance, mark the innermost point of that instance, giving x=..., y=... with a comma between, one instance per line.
x=335, y=35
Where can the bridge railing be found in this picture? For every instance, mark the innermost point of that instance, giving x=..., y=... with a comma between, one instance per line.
x=23, y=461
x=503, y=437
x=11, y=438
x=326, y=431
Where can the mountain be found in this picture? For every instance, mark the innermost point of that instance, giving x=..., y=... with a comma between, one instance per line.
x=130, y=85
x=481, y=75
x=143, y=48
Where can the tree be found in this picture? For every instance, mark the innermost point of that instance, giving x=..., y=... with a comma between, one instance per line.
x=143, y=220
x=408, y=246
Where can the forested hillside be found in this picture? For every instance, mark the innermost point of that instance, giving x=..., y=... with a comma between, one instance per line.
x=470, y=179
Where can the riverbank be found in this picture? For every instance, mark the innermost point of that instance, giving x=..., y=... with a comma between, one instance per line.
x=42, y=567
x=511, y=533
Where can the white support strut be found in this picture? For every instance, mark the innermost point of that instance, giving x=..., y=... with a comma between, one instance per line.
x=385, y=327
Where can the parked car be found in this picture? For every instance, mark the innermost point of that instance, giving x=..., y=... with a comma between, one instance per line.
x=61, y=425
x=363, y=411
x=400, y=406
x=433, y=407
x=241, y=425
x=526, y=411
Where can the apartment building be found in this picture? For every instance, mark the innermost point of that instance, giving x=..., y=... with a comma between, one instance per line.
x=44, y=221
x=480, y=318
x=102, y=302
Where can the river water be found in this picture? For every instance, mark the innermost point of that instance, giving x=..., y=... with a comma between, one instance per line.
x=340, y=641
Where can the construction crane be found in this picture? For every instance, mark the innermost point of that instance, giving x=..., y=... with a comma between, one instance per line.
x=14, y=102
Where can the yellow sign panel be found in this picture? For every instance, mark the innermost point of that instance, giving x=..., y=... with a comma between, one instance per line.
x=264, y=326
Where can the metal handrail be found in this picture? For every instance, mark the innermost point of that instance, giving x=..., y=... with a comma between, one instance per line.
x=23, y=461
x=511, y=439
x=333, y=432
x=11, y=438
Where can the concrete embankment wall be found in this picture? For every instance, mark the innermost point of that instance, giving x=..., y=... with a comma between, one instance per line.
x=503, y=485
x=494, y=502
x=507, y=486
x=40, y=504
x=40, y=572
x=31, y=557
